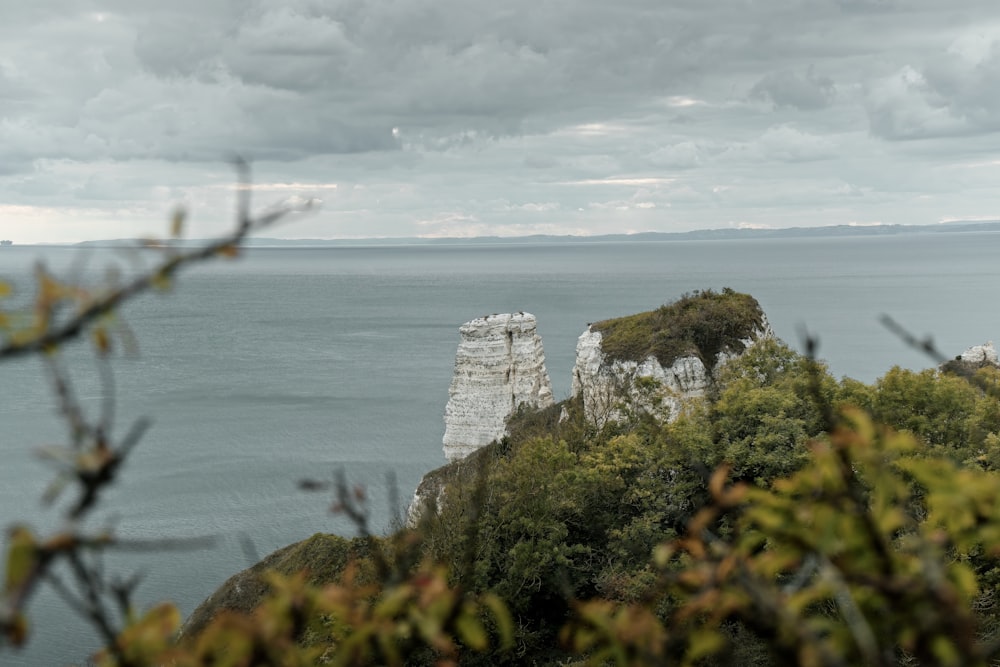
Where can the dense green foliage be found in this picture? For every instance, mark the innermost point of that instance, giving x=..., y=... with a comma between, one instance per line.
x=571, y=512
x=701, y=323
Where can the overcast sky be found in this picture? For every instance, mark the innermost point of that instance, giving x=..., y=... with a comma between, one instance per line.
x=473, y=117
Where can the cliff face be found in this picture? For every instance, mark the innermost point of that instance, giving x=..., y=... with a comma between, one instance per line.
x=974, y=358
x=673, y=360
x=609, y=388
x=982, y=355
x=499, y=366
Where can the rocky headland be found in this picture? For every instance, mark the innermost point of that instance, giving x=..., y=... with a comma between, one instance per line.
x=670, y=363
x=649, y=363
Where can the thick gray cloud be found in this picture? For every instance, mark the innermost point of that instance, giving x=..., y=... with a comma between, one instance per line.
x=460, y=117
x=951, y=92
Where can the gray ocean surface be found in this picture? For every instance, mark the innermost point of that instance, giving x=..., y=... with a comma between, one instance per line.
x=294, y=362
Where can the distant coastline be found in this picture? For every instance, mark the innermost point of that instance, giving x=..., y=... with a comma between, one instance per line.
x=642, y=237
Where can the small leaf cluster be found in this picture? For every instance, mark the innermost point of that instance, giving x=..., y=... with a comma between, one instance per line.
x=299, y=624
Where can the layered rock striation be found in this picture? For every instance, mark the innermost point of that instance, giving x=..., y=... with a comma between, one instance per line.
x=499, y=366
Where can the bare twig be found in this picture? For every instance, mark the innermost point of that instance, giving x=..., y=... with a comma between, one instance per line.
x=925, y=345
x=811, y=345
x=104, y=304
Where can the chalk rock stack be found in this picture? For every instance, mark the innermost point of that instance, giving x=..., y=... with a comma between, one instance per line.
x=981, y=355
x=609, y=388
x=499, y=366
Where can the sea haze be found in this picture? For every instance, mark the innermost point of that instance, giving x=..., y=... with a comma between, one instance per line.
x=292, y=363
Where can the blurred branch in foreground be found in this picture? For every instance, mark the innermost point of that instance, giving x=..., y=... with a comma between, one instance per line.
x=60, y=312
x=47, y=331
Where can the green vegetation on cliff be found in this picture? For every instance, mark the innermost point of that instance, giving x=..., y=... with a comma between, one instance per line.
x=322, y=557
x=702, y=323
x=561, y=512
x=735, y=534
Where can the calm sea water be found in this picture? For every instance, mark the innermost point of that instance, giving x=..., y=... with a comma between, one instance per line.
x=292, y=363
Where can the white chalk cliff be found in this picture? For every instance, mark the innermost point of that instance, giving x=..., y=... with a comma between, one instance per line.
x=612, y=388
x=981, y=355
x=499, y=366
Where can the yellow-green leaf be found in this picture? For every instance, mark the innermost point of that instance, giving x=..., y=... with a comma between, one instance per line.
x=944, y=650
x=501, y=616
x=702, y=643
x=22, y=556
x=102, y=341
x=161, y=281
x=177, y=223
x=472, y=632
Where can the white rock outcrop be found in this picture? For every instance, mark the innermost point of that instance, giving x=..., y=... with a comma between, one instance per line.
x=981, y=355
x=430, y=488
x=610, y=389
x=499, y=366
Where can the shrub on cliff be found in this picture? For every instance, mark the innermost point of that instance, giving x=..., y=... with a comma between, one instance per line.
x=702, y=323
x=765, y=412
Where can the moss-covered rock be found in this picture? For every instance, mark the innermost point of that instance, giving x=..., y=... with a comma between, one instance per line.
x=701, y=324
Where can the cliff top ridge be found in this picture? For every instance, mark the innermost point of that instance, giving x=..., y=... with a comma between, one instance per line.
x=700, y=323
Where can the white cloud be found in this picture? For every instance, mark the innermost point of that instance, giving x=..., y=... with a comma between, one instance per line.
x=530, y=207
x=682, y=101
x=621, y=181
